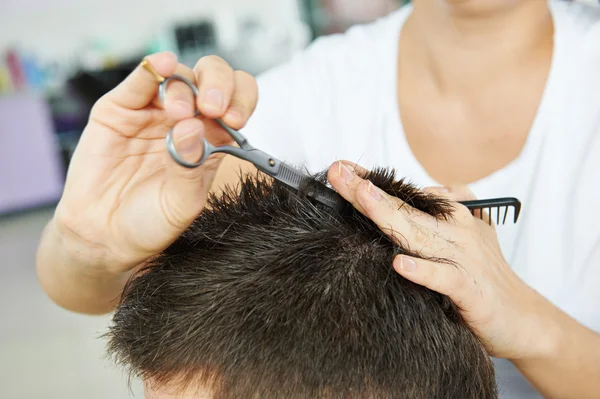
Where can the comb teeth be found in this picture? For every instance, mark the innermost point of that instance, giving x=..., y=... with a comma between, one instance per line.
x=290, y=176
x=294, y=178
x=496, y=204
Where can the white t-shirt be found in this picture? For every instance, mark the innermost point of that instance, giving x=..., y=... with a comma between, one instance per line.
x=337, y=100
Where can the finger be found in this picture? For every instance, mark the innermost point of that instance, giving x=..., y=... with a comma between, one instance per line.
x=357, y=169
x=139, y=89
x=345, y=181
x=188, y=138
x=463, y=193
x=346, y=178
x=243, y=101
x=179, y=101
x=409, y=227
x=461, y=213
x=447, y=279
x=342, y=176
x=216, y=83
x=186, y=190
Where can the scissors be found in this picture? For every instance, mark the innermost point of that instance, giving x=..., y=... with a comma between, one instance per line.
x=293, y=177
x=266, y=163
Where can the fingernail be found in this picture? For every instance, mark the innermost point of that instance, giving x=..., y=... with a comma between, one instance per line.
x=345, y=172
x=374, y=191
x=187, y=141
x=214, y=99
x=407, y=264
x=441, y=190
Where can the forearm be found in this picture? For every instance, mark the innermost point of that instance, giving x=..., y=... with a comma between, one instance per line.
x=569, y=364
x=72, y=275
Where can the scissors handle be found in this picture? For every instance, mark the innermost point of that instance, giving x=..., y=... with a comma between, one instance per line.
x=260, y=159
x=237, y=136
x=162, y=94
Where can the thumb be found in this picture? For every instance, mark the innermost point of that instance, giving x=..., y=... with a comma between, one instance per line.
x=140, y=87
x=186, y=190
x=445, y=278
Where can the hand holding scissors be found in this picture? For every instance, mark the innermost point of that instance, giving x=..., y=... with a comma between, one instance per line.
x=125, y=199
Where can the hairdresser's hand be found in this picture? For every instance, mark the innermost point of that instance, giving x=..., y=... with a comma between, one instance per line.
x=125, y=199
x=507, y=315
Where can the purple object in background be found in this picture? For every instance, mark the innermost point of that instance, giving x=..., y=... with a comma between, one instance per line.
x=31, y=172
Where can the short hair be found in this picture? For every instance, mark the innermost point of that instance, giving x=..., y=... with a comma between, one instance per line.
x=271, y=295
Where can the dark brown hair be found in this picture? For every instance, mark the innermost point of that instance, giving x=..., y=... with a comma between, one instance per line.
x=271, y=295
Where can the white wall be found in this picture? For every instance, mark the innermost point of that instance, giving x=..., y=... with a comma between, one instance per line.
x=53, y=29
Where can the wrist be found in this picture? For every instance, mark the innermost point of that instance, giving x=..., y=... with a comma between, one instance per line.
x=546, y=326
x=73, y=280
x=87, y=253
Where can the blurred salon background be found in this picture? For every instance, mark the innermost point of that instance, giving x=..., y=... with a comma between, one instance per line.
x=57, y=57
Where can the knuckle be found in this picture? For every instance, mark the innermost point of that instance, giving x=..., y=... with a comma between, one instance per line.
x=241, y=106
x=247, y=88
x=212, y=63
x=361, y=191
x=418, y=235
x=463, y=214
x=245, y=78
x=459, y=279
x=176, y=89
x=185, y=71
x=219, y=79
x=435, y=279
x=225, y=75
x=372, y=212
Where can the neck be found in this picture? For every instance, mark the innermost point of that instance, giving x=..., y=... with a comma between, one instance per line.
x=467, y=41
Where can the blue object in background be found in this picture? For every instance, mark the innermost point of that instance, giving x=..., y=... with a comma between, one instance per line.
x=34, y=75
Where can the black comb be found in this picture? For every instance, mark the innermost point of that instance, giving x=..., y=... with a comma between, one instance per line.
x=295, y=178
x=494, y=204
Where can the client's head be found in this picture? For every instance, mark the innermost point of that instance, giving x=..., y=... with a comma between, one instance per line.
x=272, y=295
